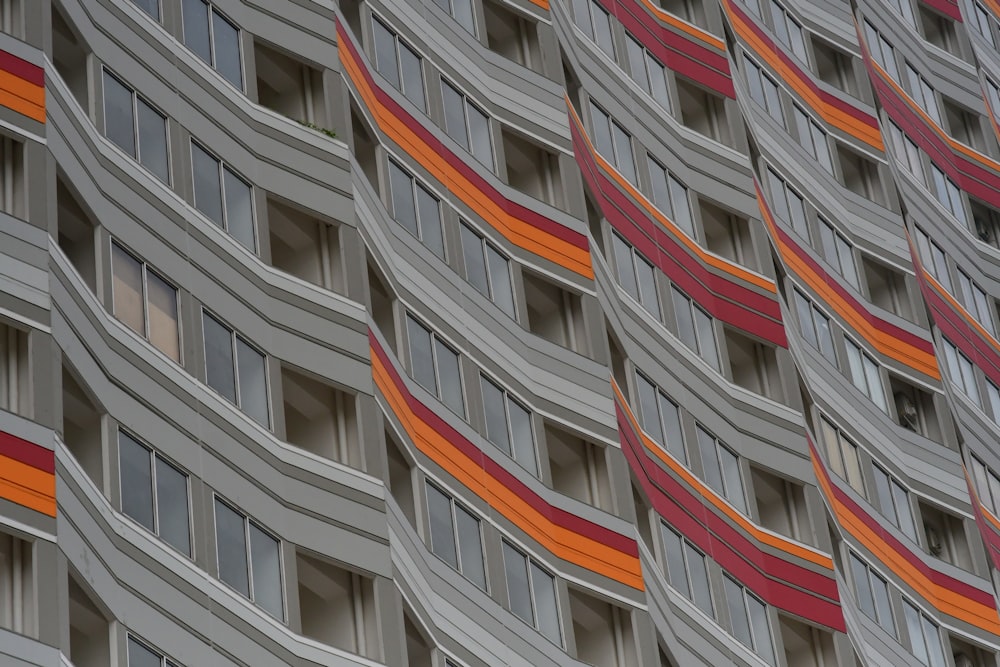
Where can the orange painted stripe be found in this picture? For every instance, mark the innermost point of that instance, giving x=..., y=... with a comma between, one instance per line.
x=941, y=598
x=517, y=231
x=919, y=360
x=27, y=485
x=762, y=536
x=560, y=541
x=22, y=96
x=838, y=118
x=730, y=268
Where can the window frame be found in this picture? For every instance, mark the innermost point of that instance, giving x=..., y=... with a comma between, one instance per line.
x=211, y=12
x=131, y=638
x=640, y=296
x=469, y=106
x=137, y=98
x=528, y=562
x=436, y=339
x=745, y=596
x=398, y=43
x=512, y=452
x=739, y=499
x=843, y=444
x=676, y=193
x=416, y=183
x=686, y=547
x=889, y=506
x=247, y=522
x=235, y=336
x=455, y=506
x=486, y=246
x=222, y=169
x=146, y=269
x=699, y=318
x=677, y=449
x=616, y=133
x=815, y=317
x=633, y=49
x=873, y=580
x=875, y=393
x=155, y=455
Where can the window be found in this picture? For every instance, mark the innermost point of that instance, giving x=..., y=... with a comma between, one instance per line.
x=906, y=151
x=881, y=50
x=214, y=39
x=894, y=502
x=151, y=7
x=435, y=366
x=461, y=11
x=864, y=374
x=140, y=655
x=842, y=455
x=905, y=10
x=813, y=138
x=922, y=93
x=925, y=636
x=788, y=205
x=467, y=124
x=154, y=492
x=788, y=31
x=670, y=196
x=647, y=71
x=838, y=252
x=748, y=615
x=986, y=221
x=988, y=485
x=595, y=24
x=416, y=209
x=815, y=327
x=976, y=302
x=531, y=593
x=872, y=594
x=223, y=196
x=695, y=328
x=636, y=275
x=455, y=535
x=487, y=269
x=15, y=370
x=933, y=259
x=613, y=142
x=993, y=395
x=399, y=64
x=249, y=559
x=19, y=574
x=660, y=417
x=721, y=468
x=236, y=369
x=763, y=89
x=687, y=570
x=961, y=371
x=133, y=125
x=508, y=425
x=983, y=23
x=947, y=193
x=144, y=302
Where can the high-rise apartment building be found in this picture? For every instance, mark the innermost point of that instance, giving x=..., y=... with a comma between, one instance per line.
x=462, y=333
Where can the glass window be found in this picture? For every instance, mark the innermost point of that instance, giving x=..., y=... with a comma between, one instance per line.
x=461, y=11
x=140, y=655
x=670, y=196
x=872, y=594
x=843, y=455
x=613, y=143
x=815, y=326
x=894, y=502
x=135, y=126
x=223, y=196
x=694, y=327
x=151, y=7
x=467, y=124
x=214, y=39
x=687, y=570
x=531, y=593
x=721, y=469
x=925, y=636
x=636, y=275
x=748, y=615
x=416, y=209
x=487, y=269
x=660, y=417
x=508, y=425
x=435, y=366
x=399, y=64
x=236, y=370
x=249, y=559
x=647, y=71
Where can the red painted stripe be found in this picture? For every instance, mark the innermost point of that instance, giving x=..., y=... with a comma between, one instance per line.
x=517, y=210
x=678, y=52
x=946, y=7
x=799, y=590
x=724, y=299
x=21, y=450
x=22, y=68
x=958, y=330
x=989, y=535
x=558, y=516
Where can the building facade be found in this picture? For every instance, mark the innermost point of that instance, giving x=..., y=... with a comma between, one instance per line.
x=509, y=332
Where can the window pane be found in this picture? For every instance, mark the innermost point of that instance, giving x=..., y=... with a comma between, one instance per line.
x=709, y=460
x=884, y=494
x=623, y=149
x=825, y=336
x=454, y=115
x=602, y=133
x=151, y=7
x=626, y=272
x=127, y=289
x=440, y=526
x=915, y=631
x=521, y=436
x=503, y=291
x=706, y=338
x=882, y=605
x=196, y=29
x=738, y=612
x=681, y=206
x=862, y=585
x=672, y=428
x=266, y=562
x=731, y=477
x=761, y=629
x=544, y=588
x=470, y=545
x=637, y=62
x=140, y=656
x=449, y=377
x=162, y=315
x=901, y=499
x=227, y=50
x=239, y=209
x=660, y=189
x=685, y=322
x=602, y=30
x=401, y=189
x=231, y=546
x=701, y=591
x=153, y=141
x=421, y=359
x=479, y=136
x=646, y=278
x=172, y=506
x=220, y=369
x=518, y=594
x=658, y=82
x=136, y=480
x=852, y=465
x=462, y=11
x=647, y=408
x=253, y=382
x=207, y=187
x=475, y=262
x=385, y=53
x=119, y=124
x=430, y=221
x=933, y=638
x=803, y=310
x=674, y=550
x=496, y=418
x=412, y=76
